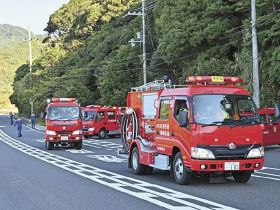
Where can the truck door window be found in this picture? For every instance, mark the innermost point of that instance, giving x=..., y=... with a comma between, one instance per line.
x=180, y=104
x=164, y=109
x=111, y=115
x=245, y=107
x=100, y=116
x=263, y=118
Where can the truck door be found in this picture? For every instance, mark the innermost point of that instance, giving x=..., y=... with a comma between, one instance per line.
x=274, y=129
x=181, y=133
x=100, y=121
x=163, y=138
x=112, y=124
x=271, y=130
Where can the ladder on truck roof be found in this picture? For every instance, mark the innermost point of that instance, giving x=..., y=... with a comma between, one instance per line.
x=155, y=85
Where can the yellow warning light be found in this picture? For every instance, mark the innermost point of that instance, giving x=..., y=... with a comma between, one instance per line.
x=217, y=79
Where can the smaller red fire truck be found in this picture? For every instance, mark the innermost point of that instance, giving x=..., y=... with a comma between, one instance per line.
x=63, y=123
x=101, y=121
x=208, y=127
x=271, y=125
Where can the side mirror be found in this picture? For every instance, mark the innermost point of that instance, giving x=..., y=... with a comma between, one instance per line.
x=277, y=110
x=183, y=118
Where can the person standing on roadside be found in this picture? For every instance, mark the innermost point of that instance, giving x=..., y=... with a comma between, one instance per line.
x=33, y=120
x=19, y=124
x=12, y=118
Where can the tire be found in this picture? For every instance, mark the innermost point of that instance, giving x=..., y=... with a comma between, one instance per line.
x=102, y=134
x=79, y=145
x=86, y=136
x=148, y=170
x=49, y=145
x=242, y=176
x=180, y=173
x=137, y=167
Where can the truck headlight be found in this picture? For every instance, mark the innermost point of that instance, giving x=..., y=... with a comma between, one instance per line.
x=50, y=133
x=256, y=153
x=200, y=153
x=77, y=132
x=91, y=129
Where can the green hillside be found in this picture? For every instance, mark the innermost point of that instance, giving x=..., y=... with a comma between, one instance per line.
x=89, y=57
x=13, y=53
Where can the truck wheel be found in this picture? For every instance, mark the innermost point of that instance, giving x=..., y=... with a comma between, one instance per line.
x=181, y=175
x=79, y=145
x=242, y=176
x=102, y=134
x=86, y=136
x=49, y=145
x=137, y=167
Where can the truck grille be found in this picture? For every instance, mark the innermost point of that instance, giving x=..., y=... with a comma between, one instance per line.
x=64, y=132
x=224, y=153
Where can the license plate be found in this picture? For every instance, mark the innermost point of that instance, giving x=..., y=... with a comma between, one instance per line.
x=64, y=138
x=231, y=166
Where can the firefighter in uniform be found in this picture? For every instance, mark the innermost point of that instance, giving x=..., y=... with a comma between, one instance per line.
x=33, y=120
x=19, y=124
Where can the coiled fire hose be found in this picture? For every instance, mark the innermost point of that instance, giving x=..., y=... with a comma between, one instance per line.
x=129, y=128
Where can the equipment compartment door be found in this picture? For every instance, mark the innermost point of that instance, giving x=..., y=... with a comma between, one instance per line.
x=112, y=124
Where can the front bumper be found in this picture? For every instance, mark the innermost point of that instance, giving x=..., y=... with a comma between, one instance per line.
x=219, y=165
x=62, y=138
x=88, y=133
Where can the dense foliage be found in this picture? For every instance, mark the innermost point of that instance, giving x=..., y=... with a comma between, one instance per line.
x=13, y=53
x=89, y=56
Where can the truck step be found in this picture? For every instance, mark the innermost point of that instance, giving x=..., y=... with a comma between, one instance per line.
x=161, y=162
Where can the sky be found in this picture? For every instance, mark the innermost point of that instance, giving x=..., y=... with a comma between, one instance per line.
x=29, y=13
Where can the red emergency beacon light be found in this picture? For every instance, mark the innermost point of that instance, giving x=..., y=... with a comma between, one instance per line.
x=57, y=100
x=214, y=80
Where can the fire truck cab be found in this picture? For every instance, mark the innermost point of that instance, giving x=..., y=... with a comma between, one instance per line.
x=63, y=123
x=101, y=121
x=209, y=127
x=270, y=121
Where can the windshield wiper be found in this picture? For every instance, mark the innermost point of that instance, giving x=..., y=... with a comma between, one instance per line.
x=219, y=123
x=244, y=122
x=54, y=119
x=73, y=118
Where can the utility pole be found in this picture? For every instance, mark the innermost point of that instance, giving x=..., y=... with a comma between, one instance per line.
x=142, y=38
x=256, y=85
x=144, y=42
x=30, y=66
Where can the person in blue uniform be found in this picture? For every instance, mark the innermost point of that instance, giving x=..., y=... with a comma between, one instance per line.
x=19, y=124
x=33, y=120
x=12, y=118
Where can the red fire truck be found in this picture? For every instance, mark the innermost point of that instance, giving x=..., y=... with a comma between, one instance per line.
x=63, y=123
x=209, y=127
x=101, y=121
x=271, y=125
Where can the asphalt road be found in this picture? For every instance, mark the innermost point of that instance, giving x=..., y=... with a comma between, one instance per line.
x=96, y=177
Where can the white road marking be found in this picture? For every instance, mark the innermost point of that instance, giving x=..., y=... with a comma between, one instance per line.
x=267, y=173
x=82, y=151
x=92, y=145
x=266, y=177
x=102, y=144
x=156, y=194
x=107, y=158
x=33, y=129
x=40, y=140
x=276, y=169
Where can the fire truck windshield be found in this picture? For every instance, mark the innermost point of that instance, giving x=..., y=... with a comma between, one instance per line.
x=230, y=110
x=63, y=113
x=89, y=115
